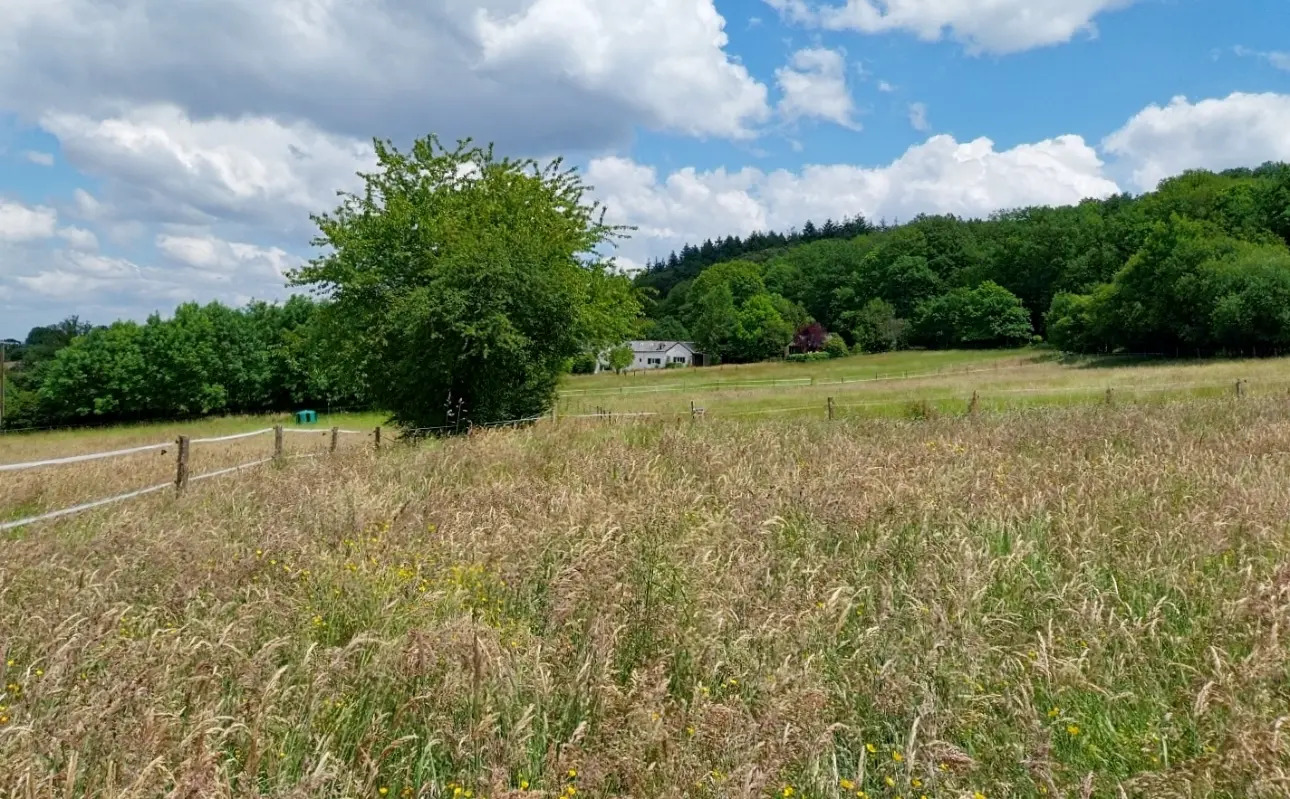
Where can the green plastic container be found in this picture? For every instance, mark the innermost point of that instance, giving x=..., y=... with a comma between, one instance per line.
x=306, y=417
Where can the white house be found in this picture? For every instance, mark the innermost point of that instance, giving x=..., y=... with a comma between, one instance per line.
x=660, y=354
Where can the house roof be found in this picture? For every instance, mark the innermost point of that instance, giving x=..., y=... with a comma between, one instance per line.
x=659, y=346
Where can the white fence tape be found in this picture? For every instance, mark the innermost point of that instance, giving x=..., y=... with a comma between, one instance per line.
x=252, y=434
x=15, y=467
x=98, y=503
x=324, y=432
x=44, y=517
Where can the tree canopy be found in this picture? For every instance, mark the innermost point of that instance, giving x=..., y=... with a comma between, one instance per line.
x=1197, y=266
x=465, y=282
x=205, y=359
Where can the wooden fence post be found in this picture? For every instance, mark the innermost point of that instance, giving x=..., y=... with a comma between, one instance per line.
x=277, y=442
x=181, y=465
x=335, y=439
x=830, y=409
x=377, y=434
x=1110, y=396
x=975, y=404
x=1238, y=388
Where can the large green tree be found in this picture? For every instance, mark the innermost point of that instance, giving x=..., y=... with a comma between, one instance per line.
x=466, y=281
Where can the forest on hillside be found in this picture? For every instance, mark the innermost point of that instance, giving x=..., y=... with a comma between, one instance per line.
x=1199, y=266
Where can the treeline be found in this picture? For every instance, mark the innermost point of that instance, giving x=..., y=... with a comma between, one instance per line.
x=1199, y=266
x=205, y=359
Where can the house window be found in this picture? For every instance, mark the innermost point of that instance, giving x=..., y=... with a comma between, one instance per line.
x=678, y=359
x=655, y=362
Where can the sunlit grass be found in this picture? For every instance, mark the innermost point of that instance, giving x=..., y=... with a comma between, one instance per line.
x=1063, y=601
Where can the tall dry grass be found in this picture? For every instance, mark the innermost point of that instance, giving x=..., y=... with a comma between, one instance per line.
x=1059, y=603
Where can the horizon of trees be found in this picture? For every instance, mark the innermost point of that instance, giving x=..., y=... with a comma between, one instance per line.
x=1198, y=266
x=203, y=360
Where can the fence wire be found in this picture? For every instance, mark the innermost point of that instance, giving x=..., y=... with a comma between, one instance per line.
x=604, y=416
x=98, y=503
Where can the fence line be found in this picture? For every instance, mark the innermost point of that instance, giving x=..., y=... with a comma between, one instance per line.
x=794, y=381
x=93, y=456
x=98, y=503
x=232, y=437
x=15, y=467
x=44, y=517
x=695, y=412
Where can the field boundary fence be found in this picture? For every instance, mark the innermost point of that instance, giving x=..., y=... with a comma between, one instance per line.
x=720, y=385
x=183, y=447
x=830, y=408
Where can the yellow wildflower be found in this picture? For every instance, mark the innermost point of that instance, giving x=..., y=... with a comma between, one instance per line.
x=382, y=790
x=916, y=782
x=1072, y=730
x=573, y=774
x=524, y=785
x=897, y=756
x=978, y=795
x=872, y=749
x=1054, y=713
x=11, y=663
x=890, y=782
x=787, y=792
x=847, y=785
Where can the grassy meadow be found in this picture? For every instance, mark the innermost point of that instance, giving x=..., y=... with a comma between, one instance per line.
x=892, y=384
x=1070, y=601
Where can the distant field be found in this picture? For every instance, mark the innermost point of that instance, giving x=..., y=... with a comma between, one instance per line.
x=885, y=364
x=1071, y=602
x=889, y=385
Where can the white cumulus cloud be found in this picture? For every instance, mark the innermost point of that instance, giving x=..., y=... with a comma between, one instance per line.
x=1237, y=130
x=534, y=75
x=78, y=238
x=22, y=223
x=941, y=175
x=220, y=261
x=814, y=85
x=918, y=117
x=997, y=26
x=159, y=163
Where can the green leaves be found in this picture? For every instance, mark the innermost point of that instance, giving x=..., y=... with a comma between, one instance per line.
x=204, y=360
x=986, y=316
x=468, y=281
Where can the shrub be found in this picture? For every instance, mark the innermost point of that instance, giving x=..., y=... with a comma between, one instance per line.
x=836, y=347
x=584, y=364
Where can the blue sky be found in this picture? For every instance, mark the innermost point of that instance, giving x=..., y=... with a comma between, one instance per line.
x=153, y=152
